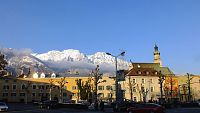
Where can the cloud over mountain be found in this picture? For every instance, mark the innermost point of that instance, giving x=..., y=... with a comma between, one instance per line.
x=60, y=61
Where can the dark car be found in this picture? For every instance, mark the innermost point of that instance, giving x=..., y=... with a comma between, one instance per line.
x=48, y=104
x=121, y=106
x=146, y=108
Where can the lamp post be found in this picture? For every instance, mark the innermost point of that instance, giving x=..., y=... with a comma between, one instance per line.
x=116, y=80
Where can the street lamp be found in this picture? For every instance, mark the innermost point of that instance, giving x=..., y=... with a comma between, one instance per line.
x=116, y=80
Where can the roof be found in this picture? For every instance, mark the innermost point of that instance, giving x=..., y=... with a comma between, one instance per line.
x=152, y=66
x=142, y=72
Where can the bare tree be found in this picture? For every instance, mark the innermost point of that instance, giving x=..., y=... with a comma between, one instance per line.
x=3, y=64
x=61, y=83
x=50, y=88
x=28, y=84
x=143, y=92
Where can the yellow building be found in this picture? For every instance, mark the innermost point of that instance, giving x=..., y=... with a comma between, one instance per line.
x=183, y=87
x=35, y=89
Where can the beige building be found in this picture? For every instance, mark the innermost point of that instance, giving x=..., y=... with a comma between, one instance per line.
x=142, y=79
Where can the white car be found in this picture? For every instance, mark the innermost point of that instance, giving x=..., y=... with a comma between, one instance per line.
x=3, y=106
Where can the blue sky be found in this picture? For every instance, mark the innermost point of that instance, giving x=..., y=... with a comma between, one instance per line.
x=107, y=25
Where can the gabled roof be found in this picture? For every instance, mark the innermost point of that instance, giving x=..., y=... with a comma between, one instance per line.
x=142, y=72
x=152, y=66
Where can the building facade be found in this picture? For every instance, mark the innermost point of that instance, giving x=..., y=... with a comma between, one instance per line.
x=63, y=89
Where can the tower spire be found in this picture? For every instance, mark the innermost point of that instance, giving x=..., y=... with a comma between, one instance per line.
x=157, y=55
x=155, y=48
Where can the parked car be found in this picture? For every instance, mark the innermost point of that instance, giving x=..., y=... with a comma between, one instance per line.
x=91, y=106
x=146, y=108
x=121, y=106
x=84, y=102
x=3, y=106
x=48, y=104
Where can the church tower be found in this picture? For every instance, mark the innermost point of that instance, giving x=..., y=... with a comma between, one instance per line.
x=157, y=56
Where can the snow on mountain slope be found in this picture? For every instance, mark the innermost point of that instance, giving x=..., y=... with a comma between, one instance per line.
x=18, y=59
x=66, y=55
x=77, y=59
x=103, y=58
x=59, y=61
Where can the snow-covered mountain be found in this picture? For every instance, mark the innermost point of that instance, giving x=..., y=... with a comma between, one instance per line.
x=76, y=58
x=66, y=55
x=20, y=60
x=61, y=61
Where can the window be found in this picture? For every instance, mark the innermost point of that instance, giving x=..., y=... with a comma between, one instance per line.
x=13, y=94
x=147, y=73
x=151, y=89
x=40, y=94
x=22, y=94
x=34, y=86
x=47, y=86
x=5, y=87
x=100, y=87
x=73, y=87
x=33, y=94
x=42, y=86
x=135, y=99
x=143, y=81
x=108, y=87
x=156, y=73
x=142, y=89
x=5, y=94
x=134, y=89
x=14, y=87
x=23, y=86
x=134, y=80
x=73, y=94
x=151, y=80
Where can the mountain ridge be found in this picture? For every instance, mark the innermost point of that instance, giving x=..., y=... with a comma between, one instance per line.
x=60, y=61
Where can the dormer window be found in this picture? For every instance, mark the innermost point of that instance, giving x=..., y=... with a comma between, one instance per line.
x=156, y=73
x=139, y=72
x=147, y=73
